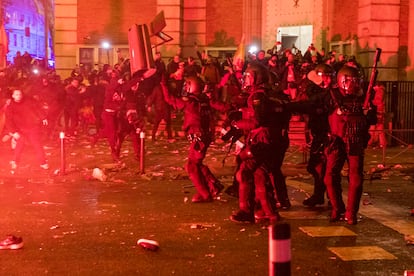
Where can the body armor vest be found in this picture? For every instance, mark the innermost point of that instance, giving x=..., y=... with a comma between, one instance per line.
x=355, y=128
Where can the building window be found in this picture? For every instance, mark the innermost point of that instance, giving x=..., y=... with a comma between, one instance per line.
x=86, y=56
x=105, y=56
x=220, y=52
x=123, y=54
x=343, y=47
x=21, y=21
x=14, y=18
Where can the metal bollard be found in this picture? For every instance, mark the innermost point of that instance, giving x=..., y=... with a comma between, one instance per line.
x=279, y=249
x=62, y=153
x=142, y=152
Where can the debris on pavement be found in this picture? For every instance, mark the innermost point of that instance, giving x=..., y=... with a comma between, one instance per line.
x=409, y=239
x=157, y=174
x=201, y=226
x=69, y=232
x=11, y=242
x=44, y=202
x=179, y=176
x=148, y=244
x=121, y=181
x=97, y=173
x=196, y=226
x=145, y=177
x=366, y=202
x=255, y=234
x=380, y=166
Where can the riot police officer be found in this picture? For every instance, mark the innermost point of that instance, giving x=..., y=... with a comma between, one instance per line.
x=199, y=127
x=348, y=140
x=255, y=171
x=318, y=97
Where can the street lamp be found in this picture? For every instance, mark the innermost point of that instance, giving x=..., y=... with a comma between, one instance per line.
x=106, y=45
x=253, y=49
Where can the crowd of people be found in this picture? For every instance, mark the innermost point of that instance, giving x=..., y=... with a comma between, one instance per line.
x=257, y=95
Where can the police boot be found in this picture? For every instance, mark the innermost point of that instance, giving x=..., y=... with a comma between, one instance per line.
x=233, y=190
x=354, y=198
x=214, y=185
x=115, y=155
x=338, y=206
x=242, y=217
x=313, y=200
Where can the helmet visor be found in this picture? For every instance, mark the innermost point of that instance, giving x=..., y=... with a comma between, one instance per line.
x=349, y=85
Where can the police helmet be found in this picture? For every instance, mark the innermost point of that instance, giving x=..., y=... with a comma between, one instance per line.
x=324, y=69
x=255, y=75
x=348, y=79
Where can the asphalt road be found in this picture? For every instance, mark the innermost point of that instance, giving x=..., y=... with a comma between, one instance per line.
x=75, y=224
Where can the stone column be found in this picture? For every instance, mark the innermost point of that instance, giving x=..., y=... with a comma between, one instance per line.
x=379, y=27
x=410, y=67
x=405, y=40
x=252, y=22
x=66, y=12
x=194, y=27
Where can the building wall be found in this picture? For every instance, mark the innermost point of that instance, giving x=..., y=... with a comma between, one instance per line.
x=194, y=31
x=287, y=14
x=379, y=26
x=66, y=28
x=406, y=50
x=173, y=12
x=222, y=28
x=410, y=43
x=110, y=20
x=318, y=13
x=352, y=26
x=345, y=23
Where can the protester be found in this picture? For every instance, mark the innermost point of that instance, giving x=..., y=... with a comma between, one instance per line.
x=51, y=97
x=72, y=105
x=131, y=118
x=161, y=110
x=24, y=121
x=377, y=130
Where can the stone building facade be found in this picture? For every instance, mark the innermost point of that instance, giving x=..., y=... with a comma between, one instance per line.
x=352, y=27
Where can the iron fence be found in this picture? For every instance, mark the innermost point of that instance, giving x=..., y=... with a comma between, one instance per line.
x=399, y=106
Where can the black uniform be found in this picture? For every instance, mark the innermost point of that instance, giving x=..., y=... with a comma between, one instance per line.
x=316, y=106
